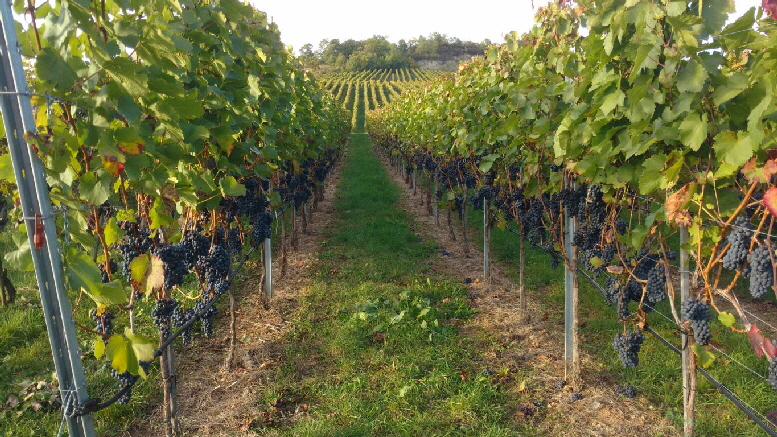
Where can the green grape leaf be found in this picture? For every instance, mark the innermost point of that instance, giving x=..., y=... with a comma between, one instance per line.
x=692, y=77
x=112, y=232
x=734, y=148
x=6, y=168
x=83, y=274
x=231, y=187
x=693, y=130
x=142, y=346
x=95, y=190
x=127, y=215
x=126, y=73
x=52, y=68
x=122, y=355
x=726, y=318
x=186, y=107
x=730, y=88
x=159, y=215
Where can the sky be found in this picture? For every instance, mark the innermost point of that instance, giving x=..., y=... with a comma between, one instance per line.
x=309, y=21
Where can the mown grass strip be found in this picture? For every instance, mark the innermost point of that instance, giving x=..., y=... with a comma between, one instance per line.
x=375, y=349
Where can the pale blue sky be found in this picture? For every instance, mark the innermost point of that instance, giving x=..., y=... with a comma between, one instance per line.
x=308, y=21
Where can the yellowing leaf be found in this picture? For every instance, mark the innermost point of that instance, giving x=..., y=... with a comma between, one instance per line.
x=118, y=353
x=131, y=148
x=142, y=346
x=155, y=275
x=705, y=357
x=99, y=347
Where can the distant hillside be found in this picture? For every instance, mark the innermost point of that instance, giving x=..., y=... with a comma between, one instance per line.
x=436, y=52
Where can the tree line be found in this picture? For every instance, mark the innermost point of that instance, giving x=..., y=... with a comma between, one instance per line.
x=379, y=53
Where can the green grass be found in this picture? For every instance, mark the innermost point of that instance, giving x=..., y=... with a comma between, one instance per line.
x=375, y=349
x=658, y=375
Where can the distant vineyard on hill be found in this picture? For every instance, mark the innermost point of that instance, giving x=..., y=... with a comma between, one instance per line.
x=379, y=87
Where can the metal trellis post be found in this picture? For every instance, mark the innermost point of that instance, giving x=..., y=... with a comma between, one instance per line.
x=37, y=211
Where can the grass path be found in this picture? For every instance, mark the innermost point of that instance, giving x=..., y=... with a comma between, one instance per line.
x=375, y=348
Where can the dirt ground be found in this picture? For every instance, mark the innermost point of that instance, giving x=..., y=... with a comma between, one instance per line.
x=214, y=400
x=531, y=343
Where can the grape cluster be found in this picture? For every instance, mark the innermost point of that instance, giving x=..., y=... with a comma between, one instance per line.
x=195, y=245
x=626, y=390
x=253, y=202
x=301, y=196
x=772, y=378
x=698, y=313
x=180, y=317
x=320, y=173
x=262, y=228
x=173, y=261
x=103, y=323
x=656, y=285
x=761, y=271
x=215, y=265
x=162, y=315
x=484, y=194
x=574, y=397
x=739, y=240
x=233, y=242
x=628, y=346
x=104, y=274
x=137, y=241
x=206, y=313
x=125, y=379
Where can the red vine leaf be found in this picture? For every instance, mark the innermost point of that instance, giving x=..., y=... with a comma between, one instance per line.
x=761, y=345
x=756, y=340
x=760, y=175
x=769, y=348
x=770, y=201
x=772, y=417
x=770, y=6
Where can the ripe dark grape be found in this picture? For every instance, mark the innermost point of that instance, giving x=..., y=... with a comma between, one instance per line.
x=162, y=315
x=626, y=390
x=656, y=286
x=233, y=242
x=103, y=323
x=772, y=378
x=180, y=317
x=698, y=313
x=206, y=314
x=104, y=274
x=125, y=379
x=216, y=265
x=485, y=193
x=195, y=245
x=262, y=228
x=574, y=397
x=761, y=272
x=559, y=384
x=628, y=346
x=173, y=260
x=739, y=237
